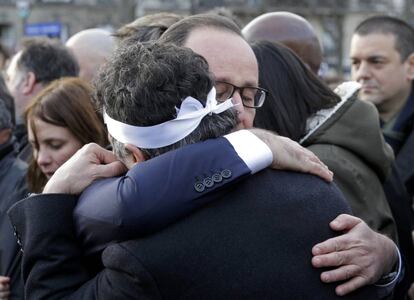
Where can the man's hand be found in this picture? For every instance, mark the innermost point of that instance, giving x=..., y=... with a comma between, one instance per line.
x=361, y=255
x=89, y=163
x=4, y=288
x=289, y=155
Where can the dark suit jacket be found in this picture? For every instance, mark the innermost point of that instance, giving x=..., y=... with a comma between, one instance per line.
x=405, y=161
x=155, y=193
x=254, y=243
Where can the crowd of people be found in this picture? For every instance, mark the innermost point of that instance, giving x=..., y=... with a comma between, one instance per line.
x=185, y=157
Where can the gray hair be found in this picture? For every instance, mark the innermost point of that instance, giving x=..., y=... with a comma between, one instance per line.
x=179, y=32
x=210, y=127
x=47, y=59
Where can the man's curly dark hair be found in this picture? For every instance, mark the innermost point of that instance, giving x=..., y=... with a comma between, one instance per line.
x=143, y=83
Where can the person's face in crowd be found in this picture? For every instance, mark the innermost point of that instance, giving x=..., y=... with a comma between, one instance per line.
x=52, y=145
x=15, y=80
x=231, y=60
x=377, y=65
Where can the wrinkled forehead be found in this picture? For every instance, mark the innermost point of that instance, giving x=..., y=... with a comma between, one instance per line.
x=229, y=56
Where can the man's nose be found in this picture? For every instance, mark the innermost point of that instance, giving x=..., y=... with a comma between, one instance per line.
x=362, y=72
x=237, y=101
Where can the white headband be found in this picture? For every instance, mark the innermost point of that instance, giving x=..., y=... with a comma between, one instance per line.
x=188, y=118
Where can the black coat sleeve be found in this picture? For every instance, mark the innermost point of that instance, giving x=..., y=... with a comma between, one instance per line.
x=52, y=258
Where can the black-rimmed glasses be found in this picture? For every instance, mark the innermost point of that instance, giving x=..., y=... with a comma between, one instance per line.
x=252, y=97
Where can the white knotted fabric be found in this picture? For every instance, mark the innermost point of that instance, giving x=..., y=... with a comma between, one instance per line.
x=188, y=118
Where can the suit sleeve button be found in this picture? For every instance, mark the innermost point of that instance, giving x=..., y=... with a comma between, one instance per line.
x=217, y=177
x=226, y=173
x=208, y=182
x=199, y=186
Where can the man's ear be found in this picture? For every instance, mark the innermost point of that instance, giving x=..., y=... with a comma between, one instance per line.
x=29, y=83
x=410, y=66
x=137, y=155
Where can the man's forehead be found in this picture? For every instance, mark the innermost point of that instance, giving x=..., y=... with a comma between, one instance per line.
x=242, y=78
x=229, y=56
x=211, y=41
x=373, y=43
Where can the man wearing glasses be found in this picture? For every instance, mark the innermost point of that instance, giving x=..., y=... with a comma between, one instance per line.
x=242, y=85
x=235, y=69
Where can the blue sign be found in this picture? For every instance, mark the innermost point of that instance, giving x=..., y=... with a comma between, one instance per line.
x=52, y=30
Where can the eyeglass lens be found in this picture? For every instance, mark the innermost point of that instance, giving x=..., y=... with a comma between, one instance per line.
x=251, y=97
